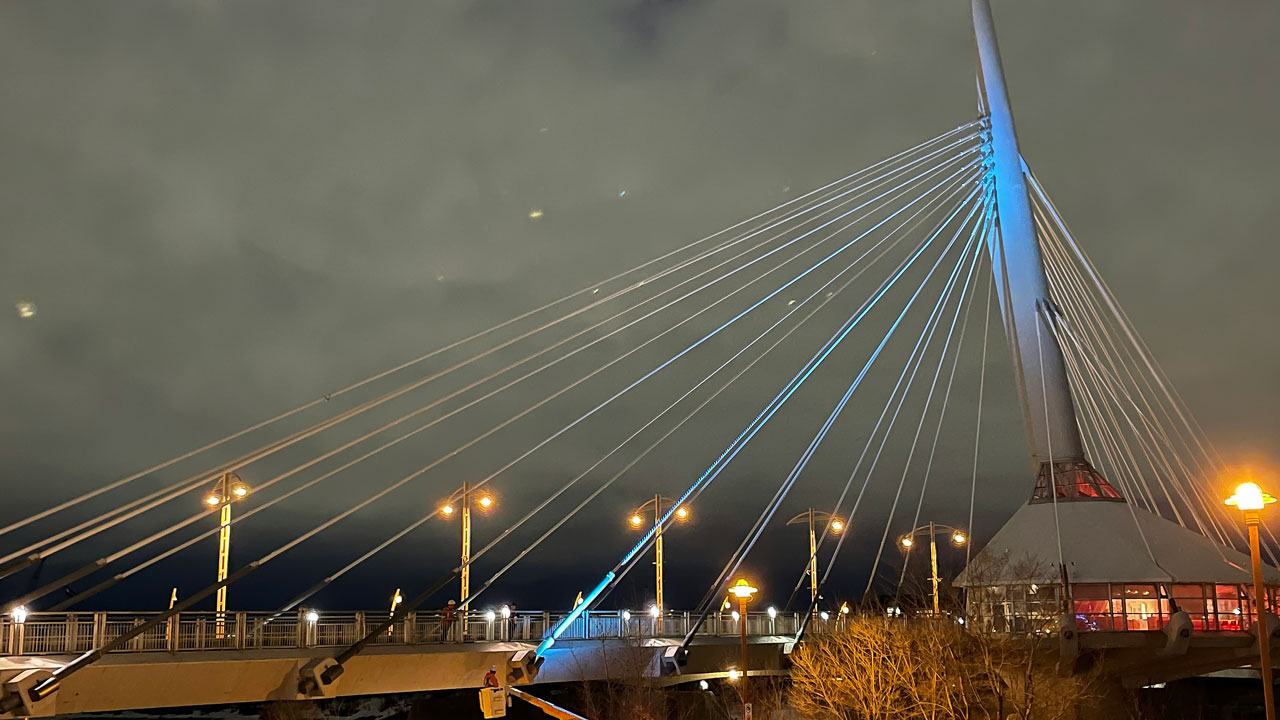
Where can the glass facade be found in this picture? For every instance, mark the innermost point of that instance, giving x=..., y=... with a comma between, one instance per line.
x=1114, y=606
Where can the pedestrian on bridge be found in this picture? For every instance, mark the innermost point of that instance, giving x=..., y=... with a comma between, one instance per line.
x=448, y=614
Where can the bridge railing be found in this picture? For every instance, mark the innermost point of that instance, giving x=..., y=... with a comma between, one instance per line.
x=69, y=633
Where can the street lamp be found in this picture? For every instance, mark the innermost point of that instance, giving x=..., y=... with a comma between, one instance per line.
x=1251, y=500
x=958, y=538
x=659, y=505
x=835, y=525
x=743, y=591
x=226, y=489
x=463, y=500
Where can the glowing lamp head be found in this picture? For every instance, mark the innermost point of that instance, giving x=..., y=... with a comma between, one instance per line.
x=704, y=685
x=773, y=612
x=958, y=538
x=742, y=590
x=397, y=599
x=212, y=499
x=844, y=609
x=734, y=615
x=486, y=501
x=446, y=510
x=907, y=542
x=19, y=614
x=734, y=674
x=682, y=513
x=635, y=520
x=506, y=611
x=837, y=525
x=1249, y=496
x=626, y=616
x=490, y=615
x=824, y=615
x=312, y=617
x=655, y=612
x=239, y=490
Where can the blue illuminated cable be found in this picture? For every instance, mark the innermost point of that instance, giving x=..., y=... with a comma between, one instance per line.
x=927, y=404
x=710, y=474
x=749, y=541
x=944, y=183
x=525, y=550
x=979, y=231
x=892, y=194
x=942, y=413
x=829, y=345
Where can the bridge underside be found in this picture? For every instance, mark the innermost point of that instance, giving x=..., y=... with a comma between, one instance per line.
x=134, y=681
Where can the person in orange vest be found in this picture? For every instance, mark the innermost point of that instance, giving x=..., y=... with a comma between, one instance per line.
x=447, y=615
x=491, y=678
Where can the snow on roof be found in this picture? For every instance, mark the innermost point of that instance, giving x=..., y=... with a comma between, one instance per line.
x=1101, y=542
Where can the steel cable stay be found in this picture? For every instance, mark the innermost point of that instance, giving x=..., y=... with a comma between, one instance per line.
x=1071, y=299
x=1099, y=342
x=745, y=436
x=89, y=657
x=988, y=220
x=942, y=412
x=1053, y=323
x=590, y=289
x=1155, y=430
x=1128, y=476
x=977, y=425
x=114, y=580
x=287, y=546
x=1122, y=320
x=912, y=363
x=982, y=229
x=918, y=361
x=1104, y=382
x=1123, y=448
x=1154, y=454
x=759, y=357
x=748, y=542
x=1126, y=464
x=194, y=518
x=791, y=478
x=564, y=519
x=1171, y=398
x=202, y=479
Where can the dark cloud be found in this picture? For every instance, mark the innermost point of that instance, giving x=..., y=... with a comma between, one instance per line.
x=226, y=209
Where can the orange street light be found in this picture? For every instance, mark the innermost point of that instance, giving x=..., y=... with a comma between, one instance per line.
x=743, y=590
x=659, y=505
x=1251, y=500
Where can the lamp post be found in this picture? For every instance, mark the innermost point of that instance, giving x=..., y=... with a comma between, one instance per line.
x=463, y=500
x=1251, y=500
x=958, y=538
x=743, y=591
x=835, y=525
x=636, y=521
x=226, y=489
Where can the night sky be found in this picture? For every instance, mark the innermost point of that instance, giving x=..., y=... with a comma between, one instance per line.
x=224, y=210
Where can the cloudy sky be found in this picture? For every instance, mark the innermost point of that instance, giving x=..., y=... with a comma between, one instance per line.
x=224, y=210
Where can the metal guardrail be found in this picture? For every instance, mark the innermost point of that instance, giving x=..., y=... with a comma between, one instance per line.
x=73, y=633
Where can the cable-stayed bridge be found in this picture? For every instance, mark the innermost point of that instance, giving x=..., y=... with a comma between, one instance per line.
x=883, y=281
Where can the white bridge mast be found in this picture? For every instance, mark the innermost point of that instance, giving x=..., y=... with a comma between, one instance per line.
x=1018, y=272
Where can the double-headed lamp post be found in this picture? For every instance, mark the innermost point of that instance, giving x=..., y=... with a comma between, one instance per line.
x=743, y=590
x=226, y=489
x=958, y=538
x=463, y=500
x=1251, y=500
x=835, y=525
x=636, y=521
